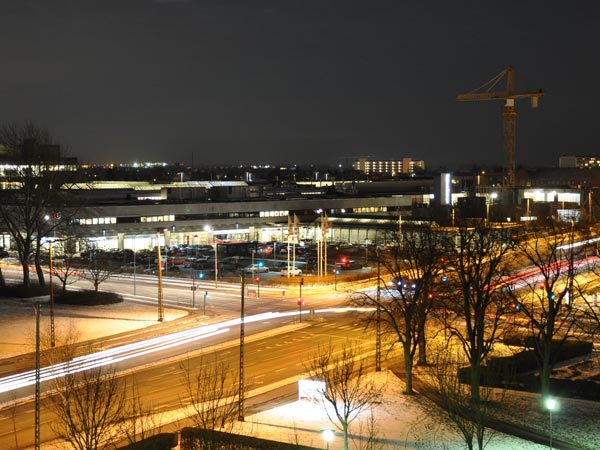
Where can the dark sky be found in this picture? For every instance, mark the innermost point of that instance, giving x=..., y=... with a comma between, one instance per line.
x=299, y=81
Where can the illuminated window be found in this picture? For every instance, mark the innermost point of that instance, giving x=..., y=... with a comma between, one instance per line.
x=273, y=213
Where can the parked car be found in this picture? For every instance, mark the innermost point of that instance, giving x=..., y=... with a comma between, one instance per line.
x=255, y=268
x=291, y=271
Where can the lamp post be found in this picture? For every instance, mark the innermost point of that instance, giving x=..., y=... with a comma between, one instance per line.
x=328, y=436
x=551, y=405
x=134, y=267
x=216, y=262
x=161, y=314
x=241, y=394
x=38, y=309
x=208, y=229
x=378, y=316
x=50, y=242
x=52, y=333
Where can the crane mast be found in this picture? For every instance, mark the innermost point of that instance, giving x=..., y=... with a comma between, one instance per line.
x=509, y=115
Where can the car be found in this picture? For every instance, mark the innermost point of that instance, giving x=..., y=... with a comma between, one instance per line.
x=290, y=271
x=255, y=268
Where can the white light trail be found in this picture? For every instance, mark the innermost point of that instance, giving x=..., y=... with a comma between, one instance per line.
x=142, y=348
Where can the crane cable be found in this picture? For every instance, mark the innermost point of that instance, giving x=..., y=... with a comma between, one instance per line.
x=489, y=84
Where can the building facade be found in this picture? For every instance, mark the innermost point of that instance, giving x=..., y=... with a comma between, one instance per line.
x=407, y=166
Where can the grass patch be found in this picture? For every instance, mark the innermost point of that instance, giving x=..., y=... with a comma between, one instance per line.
x=19, y=291
x=88, y=298
x=85, y=297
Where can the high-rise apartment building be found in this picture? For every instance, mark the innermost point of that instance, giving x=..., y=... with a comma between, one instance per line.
x=407, y=166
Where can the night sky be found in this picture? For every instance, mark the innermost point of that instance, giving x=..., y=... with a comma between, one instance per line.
x=251, y=81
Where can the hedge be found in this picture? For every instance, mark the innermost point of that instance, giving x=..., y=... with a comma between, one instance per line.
x=201, y=439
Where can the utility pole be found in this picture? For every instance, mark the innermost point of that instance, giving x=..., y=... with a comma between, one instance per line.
x=378, y=318
x=241, y=394
x=38, y=308
x=52, y=334
x=161, y=313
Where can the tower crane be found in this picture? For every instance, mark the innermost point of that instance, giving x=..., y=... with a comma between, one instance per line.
x=509, y=115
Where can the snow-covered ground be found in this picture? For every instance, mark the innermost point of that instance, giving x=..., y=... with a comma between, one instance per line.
x=17, y=322
x=401, y=422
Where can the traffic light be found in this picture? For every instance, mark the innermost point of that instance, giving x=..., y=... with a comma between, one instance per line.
x=201, y=275
x=257, y=279
x=430, y=296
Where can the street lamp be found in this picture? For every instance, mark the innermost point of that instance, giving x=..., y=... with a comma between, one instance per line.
x=551, y=405
x=241, y=393
x=50, y=242
x=161, y=314
x=208, y=229
x=328, y=436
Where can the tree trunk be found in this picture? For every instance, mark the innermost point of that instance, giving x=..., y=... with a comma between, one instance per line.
x=422, y=346
x=25, y=274
x=345, y=428
x=408, y=368
x=38, y=269
x=475, y=382
x=545, y=372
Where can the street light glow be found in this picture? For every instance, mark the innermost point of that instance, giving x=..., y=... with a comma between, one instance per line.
x=328, y=436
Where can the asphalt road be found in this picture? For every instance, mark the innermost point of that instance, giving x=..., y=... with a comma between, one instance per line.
x=274, y=359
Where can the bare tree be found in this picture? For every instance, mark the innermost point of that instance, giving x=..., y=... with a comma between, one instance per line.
x=212, y=393
x=469, y=418
x=547, y=300
x=66, y=270
x=414, y=264
x=476, y=265
x=90, y=406
x=32, y=189
x=345, y=392
x=98, y=269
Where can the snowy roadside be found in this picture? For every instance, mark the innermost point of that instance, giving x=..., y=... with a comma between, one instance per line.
x=81, y=323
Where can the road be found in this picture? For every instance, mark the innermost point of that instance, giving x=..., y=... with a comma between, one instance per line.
x=270, y=359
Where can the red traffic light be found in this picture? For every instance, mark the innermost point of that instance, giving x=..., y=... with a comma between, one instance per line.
x=430, y=295
x=257, y=279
